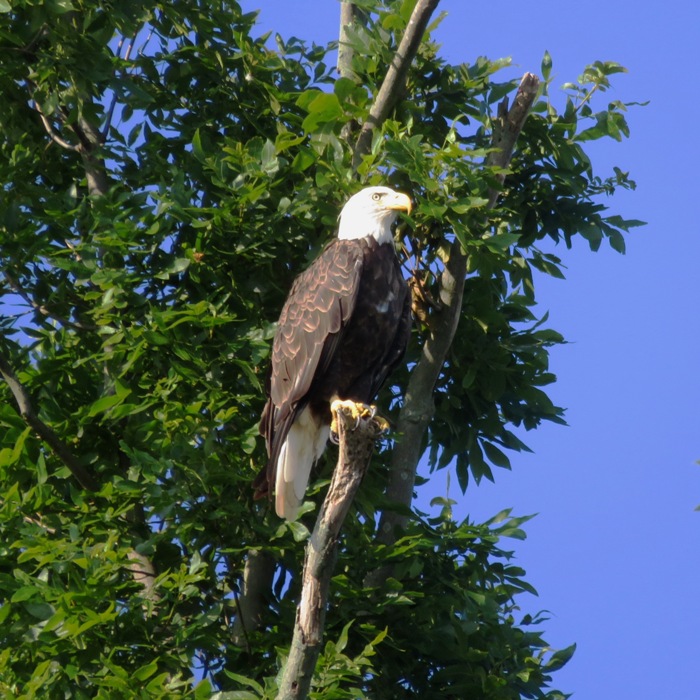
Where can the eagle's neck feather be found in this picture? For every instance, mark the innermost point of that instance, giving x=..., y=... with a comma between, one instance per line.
x=376, y=227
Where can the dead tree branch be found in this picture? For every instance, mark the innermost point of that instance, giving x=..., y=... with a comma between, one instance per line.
x=350, y=15
x=91, y=139
x=418, y=408
x=355, y=450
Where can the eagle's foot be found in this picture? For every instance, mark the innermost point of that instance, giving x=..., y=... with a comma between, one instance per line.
x=358, y=411
x=382, y=424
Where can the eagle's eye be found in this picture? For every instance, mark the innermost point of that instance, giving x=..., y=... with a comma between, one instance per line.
x=376, y=196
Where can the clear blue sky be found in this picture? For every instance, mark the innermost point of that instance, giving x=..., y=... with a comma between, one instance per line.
x=614, y=549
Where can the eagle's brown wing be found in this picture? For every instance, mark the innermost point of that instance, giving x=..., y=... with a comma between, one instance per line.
x=401, y=310
x=310, y=327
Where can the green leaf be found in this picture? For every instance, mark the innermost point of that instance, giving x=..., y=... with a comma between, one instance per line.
x=197, y=148
x=178, y=265
x=243, y=680
x=499, y=517
x=24, y=593
x=299, y=531
x=5, y=610
x=478, y=466
x=41, y=611
x=41, y=471
x=303, y=160
x=323, y=108
x=343, y=639
x=546, y=66
x=158, y=683
x=9, y=456
x=59, y=7
x=432, y=209
x=495, y=455
x=268, y=158
x=105, y=403
x=203, y=690
x=502, y=241
x=465, y=204
x=617, y=241
x=560, y=658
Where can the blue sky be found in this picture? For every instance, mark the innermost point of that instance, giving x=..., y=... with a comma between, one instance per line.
x=614, y=548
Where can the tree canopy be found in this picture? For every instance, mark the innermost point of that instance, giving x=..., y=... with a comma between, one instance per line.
x=166, y=173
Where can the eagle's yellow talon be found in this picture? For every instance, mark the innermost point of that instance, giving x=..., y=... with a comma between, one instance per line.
x=359, y=411
x=382, y=423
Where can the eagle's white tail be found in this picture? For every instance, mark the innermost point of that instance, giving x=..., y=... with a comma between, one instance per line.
x=305, y=443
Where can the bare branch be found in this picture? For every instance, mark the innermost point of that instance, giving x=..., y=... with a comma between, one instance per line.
x=509, y=124
x=110, y=116
x=356, y=446
x=418, y=408
x=91, y=139
x=395, y=79
x=129, y=48
x=348, y=17
x=34, y=41
x=25, y=410
x=52, y=133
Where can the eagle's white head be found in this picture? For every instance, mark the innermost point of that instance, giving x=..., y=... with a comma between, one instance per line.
x=371, y=212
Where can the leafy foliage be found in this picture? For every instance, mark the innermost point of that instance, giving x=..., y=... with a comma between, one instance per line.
x=166, y=174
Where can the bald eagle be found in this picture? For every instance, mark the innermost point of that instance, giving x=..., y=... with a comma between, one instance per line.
x=342, y=330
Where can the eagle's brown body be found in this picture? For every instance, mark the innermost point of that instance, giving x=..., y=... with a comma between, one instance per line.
x=342, y=330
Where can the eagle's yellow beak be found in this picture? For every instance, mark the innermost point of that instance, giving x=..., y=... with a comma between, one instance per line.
x=400, y=201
